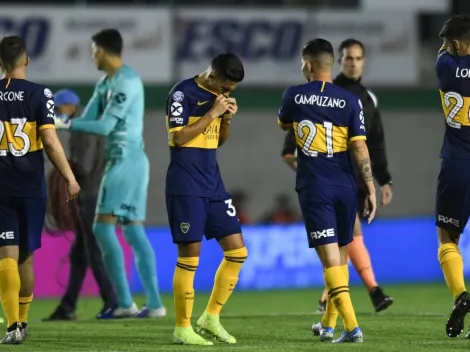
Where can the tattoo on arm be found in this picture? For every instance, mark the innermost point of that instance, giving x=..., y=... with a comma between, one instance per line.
x=366, y=169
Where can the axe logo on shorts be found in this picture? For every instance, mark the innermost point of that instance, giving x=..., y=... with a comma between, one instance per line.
x=184, y=226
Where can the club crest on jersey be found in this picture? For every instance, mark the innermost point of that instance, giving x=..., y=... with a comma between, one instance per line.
x=184, y=226
x=178, y=96
x=48, y=93
x=120, y=98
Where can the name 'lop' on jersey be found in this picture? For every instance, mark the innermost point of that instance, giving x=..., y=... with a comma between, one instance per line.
x=454, y=86
x=325, y=119
x=193, y=169
x=25, y=109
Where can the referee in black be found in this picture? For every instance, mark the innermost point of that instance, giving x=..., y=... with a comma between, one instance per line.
x=87, y=157
x=351, y=60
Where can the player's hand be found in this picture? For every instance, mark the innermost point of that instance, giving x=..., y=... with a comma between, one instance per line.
x=370, y=207
x=220, y=106
x=73, y=190
x=62, y=122
x=387, y=195
x=232, y=109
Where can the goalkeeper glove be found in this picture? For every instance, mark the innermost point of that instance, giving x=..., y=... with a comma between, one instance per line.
x=62, y=122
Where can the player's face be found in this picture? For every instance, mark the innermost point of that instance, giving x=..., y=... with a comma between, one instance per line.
x=462, y=47
x=221, y=86
x=97, y=54
x=352, y=62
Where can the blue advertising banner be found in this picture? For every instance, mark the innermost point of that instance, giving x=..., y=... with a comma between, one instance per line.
x=279, y=258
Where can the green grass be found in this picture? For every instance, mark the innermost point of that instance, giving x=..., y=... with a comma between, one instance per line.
x=261, y=321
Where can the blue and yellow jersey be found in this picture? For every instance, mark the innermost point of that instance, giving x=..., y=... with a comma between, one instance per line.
x=25, y=109
x=325, y=118
x=454, y=86
x=193, y=169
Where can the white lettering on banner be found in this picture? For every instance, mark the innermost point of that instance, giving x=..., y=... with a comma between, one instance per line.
x=318, y=100
x=281, y=256
x=267, y=42
x=12, y=96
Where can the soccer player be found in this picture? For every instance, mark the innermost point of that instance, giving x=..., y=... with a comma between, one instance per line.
x=199, y=114
x=26, y=129
x=453, y=190
x=87, y=157
x=116, y=111
x=351, y=59
x=328, y=121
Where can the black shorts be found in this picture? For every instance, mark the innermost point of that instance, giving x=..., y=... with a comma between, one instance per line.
x=21, y=222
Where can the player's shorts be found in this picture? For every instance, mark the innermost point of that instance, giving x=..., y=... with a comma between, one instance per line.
x=329, y=214
x=123, y=190
x=21, y=222
x=453, y=195
x=191, y=218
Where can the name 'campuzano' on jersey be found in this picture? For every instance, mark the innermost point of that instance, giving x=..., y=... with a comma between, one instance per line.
x=25, y=108
x=454, y=85
x=325, y=119
x=193, y=169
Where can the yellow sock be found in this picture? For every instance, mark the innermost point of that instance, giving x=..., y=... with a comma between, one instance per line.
x=452, y=266
x=331, y=314
x=10, y=289
x=225, y=279
x=183, y=290
x=339, y=295
x=25, y=302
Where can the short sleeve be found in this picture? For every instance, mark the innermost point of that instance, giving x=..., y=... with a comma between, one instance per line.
x=356, y=129
x=122, y=98
x=45, y=109
x=177, y=110
x=284, y=116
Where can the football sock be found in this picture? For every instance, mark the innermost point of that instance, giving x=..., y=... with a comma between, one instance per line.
x=452, y=265
x=10, y=285
x=331, y=314
x=183, y=290
x=113, y=258
x=338, y=293
x=145, y=263
x=225, y=279
x=360, y=258
x=25, y=302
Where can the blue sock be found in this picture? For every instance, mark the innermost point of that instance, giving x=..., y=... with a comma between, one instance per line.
x=113, y=258
x=145, y=263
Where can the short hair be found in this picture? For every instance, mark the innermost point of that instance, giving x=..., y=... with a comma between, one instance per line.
x=11, y=50
x=317, y=47
x=346, y=44
x=110, y=40
x=456, y=28
x=228, y=66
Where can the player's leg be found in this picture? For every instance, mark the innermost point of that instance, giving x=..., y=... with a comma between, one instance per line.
x=223, y=225
x=360, y=258
x=10, y=283
x=26, y=271
x=187, y=218
x=452, y=209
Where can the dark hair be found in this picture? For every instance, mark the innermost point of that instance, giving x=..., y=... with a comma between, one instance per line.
x=456, y=28
x=228, y=66
x=346, y=44
x=110, y=40
x=11, y=49
x=317, y=47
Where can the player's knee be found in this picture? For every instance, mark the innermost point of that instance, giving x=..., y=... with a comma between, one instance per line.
x=191, y=249
x=357, y=231
x=106, y=219
x=232, y=242
x=329, y=255
x=8, y=251
x=25, y=258
x=448, y=235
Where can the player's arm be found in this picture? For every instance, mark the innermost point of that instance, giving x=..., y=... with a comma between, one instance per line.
x=227, y=121
x=179, y=130
x=116, y=109
x=92, y=109
x=284, y=116
x=289, y=150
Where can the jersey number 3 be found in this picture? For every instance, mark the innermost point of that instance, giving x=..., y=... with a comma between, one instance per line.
x=458, y=102
x=15, y=147
x=312, y=133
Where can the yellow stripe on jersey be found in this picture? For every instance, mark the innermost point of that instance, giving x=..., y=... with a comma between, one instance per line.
x=45, y=127
x=321, y=138
x=357, y=138
x=209, y=139
x=19, y=138
x=323, y=86
x=8, y=83
x=456, y=109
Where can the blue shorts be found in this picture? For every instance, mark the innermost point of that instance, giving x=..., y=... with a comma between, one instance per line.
x=123, y=190
x=191, y=218
x=329, y=213
x=453, y=195
x=21, y=222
